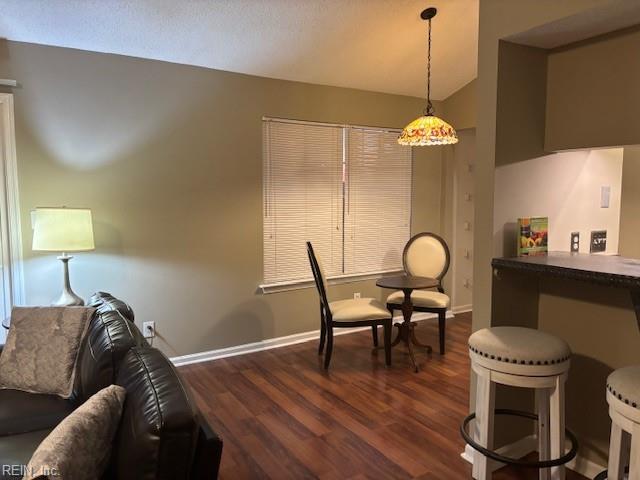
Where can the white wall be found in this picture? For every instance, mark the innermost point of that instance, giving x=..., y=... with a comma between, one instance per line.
x=564, y=187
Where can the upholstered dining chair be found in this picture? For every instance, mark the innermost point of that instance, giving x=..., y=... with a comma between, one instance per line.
x=347, y=313
x=426, y=255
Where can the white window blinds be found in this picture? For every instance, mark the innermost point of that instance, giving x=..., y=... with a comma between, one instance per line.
x=302, y=199
x=345, y=189
x=377, y=201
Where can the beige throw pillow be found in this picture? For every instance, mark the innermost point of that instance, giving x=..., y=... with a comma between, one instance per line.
x=79, y=448
x=42, y=349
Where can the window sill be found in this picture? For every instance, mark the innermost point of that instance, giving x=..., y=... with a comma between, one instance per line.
x=269, y=288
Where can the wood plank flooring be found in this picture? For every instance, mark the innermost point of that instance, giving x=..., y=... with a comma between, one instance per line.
x=281, y=416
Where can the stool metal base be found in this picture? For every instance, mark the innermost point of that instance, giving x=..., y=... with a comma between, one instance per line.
x=556, y=462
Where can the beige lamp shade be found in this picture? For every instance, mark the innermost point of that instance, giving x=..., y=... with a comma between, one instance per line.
x=62, y=229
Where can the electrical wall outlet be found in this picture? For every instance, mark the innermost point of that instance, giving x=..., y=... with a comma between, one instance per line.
x=149, y=329
x=575, y=242
x=357, y=295
x=598, y=241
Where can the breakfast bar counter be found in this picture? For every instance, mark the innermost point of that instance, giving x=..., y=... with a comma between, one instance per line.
x=606, y=270
x=592, y=301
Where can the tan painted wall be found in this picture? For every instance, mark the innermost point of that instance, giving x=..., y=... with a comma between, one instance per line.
x=461, y=168
x=169, y=158
x=600, y=326
x=593, y=97
x=630, y=204
x=459, y=109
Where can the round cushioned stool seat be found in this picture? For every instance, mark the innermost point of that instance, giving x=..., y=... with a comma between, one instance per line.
x=510, y=348
x=624, y=384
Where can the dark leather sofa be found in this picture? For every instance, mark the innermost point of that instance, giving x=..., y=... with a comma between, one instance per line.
x=161, y=434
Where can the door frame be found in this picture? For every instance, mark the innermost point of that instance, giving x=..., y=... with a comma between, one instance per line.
x=12, y=290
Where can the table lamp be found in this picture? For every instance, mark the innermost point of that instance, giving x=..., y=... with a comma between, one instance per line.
x=63, y=230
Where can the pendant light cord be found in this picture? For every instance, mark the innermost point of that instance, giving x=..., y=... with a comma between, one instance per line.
x=429, y=110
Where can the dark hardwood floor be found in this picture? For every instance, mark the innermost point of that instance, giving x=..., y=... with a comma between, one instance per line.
x=282, y=416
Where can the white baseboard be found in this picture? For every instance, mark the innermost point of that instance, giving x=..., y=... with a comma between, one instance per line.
x=529, y=444
x=277, y=342
x=462, y=308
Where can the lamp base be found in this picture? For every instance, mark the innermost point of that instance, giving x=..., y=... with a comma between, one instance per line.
x=67, y=298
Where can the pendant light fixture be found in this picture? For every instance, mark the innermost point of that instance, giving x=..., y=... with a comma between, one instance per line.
x=428, y=129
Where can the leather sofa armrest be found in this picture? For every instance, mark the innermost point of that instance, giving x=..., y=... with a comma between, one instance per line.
x=208, y=454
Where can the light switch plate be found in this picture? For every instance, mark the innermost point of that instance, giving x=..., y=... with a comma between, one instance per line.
x=605, y=196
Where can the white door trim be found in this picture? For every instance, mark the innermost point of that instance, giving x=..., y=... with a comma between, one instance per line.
x=10, y=229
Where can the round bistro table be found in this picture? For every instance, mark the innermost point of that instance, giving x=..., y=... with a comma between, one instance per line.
x=406, y=329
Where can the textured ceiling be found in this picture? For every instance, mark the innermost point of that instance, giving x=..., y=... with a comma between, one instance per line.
x=377, y=45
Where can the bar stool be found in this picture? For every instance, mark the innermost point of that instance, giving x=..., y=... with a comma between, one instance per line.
x=528, y=358
x=623, y=397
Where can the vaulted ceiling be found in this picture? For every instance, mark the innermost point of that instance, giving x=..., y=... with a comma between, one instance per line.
x=377, y=45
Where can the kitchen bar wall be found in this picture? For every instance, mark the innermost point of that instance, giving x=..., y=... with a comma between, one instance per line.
x=513, y=106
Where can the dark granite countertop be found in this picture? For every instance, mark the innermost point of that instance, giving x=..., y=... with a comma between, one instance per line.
x=611, y=270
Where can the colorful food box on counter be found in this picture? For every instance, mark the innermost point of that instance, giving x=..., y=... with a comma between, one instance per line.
x=533, y=236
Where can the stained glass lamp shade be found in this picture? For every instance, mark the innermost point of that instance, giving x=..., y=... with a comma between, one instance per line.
x=428, y=129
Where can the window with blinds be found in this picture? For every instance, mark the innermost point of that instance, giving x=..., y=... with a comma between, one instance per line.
x=377, y=201
x=346, y=189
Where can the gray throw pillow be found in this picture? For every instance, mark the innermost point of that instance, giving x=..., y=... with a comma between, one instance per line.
x=42, y=347
x=79, y=448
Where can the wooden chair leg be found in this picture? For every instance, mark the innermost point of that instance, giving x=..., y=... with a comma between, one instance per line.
x=485, y=404
x=387, y=342
x=634, y=454
x=556, y=427
x=374, y=334
x=327, y=355
x=323, y=332
x=442, y=317
x=619, y=449
x=542, y=400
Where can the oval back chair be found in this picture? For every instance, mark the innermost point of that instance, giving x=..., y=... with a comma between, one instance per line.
x=426, y=255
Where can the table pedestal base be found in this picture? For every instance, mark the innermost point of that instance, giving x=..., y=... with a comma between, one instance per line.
x=407, y=335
